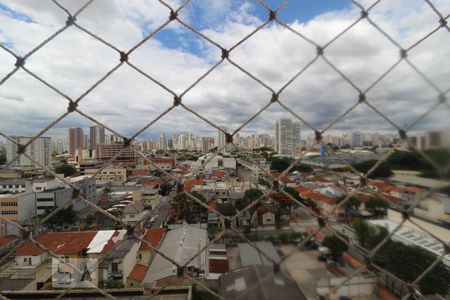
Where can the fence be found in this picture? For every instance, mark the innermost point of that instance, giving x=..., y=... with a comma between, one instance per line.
x=360, y=96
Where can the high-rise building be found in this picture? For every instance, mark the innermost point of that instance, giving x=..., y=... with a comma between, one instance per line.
x=39, y=150
x=106, y=152
x=204, y=145
x=59, y=145
x=97, y=136
x=76, y=139
x=287, y=137
x=357, y=139
x=162, y=141
x=221, y=138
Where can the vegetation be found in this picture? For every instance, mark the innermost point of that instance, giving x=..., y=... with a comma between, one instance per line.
x=409, y=262
x=336, y=245
x=368, y=236
x=64, y=216
x=408, y=160
x=382, y=170
x=249, y=196
x=65, y=169
x=404, y=261
x=2, y=157
x=378, y=207
x=188, y=208
x=113, y=284
x=280, y=164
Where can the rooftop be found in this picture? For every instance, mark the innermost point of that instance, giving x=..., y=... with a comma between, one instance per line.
x=238, y=283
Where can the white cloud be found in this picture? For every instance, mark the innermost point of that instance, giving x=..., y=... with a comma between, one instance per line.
x=127, y=101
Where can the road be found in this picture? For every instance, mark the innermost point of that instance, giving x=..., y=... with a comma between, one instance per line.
x=161, y=212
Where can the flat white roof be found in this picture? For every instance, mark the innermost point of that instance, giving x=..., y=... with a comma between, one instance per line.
x=410, y=236
x=100, y=240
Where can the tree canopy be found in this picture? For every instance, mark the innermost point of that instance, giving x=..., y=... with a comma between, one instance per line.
x=65, y=169
x=64, y=216
x=404, y=261
x=335, y=244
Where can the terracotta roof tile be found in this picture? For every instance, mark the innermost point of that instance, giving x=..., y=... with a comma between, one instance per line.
x=6, y=240
x=138, y=272
x=153, y=236
x=322, y=198
x=188, y=185
x=59, y=242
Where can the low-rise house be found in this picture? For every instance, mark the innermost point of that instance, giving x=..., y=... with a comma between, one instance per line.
x=218, y=261
x=49, y=199
x=68, y=245
x=137, y=275
x=226, y=210
x=7, y=243
x=181, y=245
x=114, y=175
x=147, y=195
x=239, y=283
x=152, y=236
x=14, y=186
x=134, y=213
x=244, y=218
x=436, y=208
x=120, y=261
x=18, y=208
x=266, y=255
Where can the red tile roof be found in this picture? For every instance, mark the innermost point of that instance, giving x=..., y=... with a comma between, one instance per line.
x=153, y=236
x=322, y=198
x=188, y=185
x=218, y=266
x=139, y=173
x=303, y=191
x=318, y=179
x=212, y=205
x=280, y=197
x=6, y=240
x=378, y=184
x=152, y=182
x=219, y=174
x=66, y=243
x=414, y=189
x=138, y=272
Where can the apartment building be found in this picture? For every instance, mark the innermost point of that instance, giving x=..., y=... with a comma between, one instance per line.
x=113, y=175
x=106, y=152
x=287, y=137
x=18, y=208
x=39, y=150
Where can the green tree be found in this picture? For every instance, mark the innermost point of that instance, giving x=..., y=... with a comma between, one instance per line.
x=336, y=245
x=303, y=168
x=377, y=206
x=2, y=157
x=188, y=208
x=252, y=194
x=280, y=164
x=383, y=170
x=65, y=169
x=409, y=262
x=64, y=216
x=368, y=236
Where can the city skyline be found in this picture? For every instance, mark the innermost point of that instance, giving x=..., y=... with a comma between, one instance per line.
x=319, y=104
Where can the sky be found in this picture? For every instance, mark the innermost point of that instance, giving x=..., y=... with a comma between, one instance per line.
x=127, y=101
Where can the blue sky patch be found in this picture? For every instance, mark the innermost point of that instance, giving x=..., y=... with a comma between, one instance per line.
x=5, y=10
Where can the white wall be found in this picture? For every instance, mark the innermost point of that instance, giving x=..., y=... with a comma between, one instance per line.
x=440, y=232
x=35, y=260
